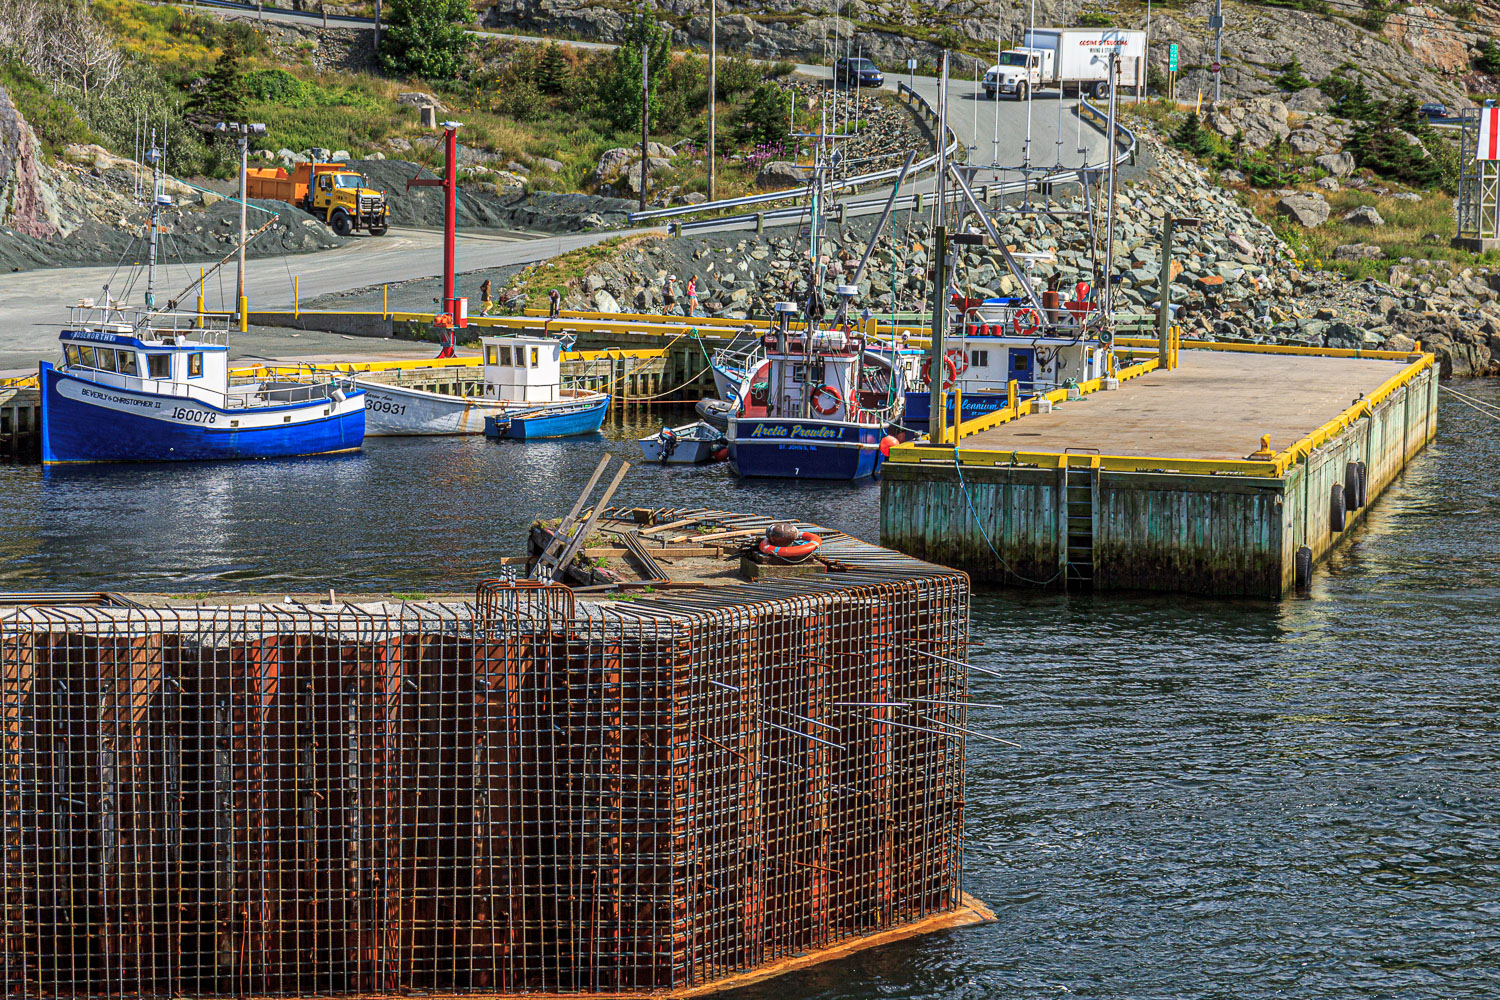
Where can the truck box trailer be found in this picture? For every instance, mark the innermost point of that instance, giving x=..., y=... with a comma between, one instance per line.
x=1073, y=60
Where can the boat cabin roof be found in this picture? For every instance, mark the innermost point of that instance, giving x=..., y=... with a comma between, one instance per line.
x=121, y=335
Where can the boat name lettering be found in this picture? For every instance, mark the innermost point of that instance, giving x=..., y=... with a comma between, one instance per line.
x=108, y=338
x=796, y=431
x=149, y=404
x=384, y=405
x=195, y=416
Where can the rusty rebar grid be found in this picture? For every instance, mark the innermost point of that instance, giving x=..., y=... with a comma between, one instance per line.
x=521, y=796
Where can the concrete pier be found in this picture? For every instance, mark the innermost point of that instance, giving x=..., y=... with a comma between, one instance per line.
x=1163, y=484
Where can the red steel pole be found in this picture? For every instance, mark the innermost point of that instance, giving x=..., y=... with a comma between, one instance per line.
x=449, y=184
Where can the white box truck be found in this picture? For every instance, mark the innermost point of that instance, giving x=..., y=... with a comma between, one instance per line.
x=1074, y=60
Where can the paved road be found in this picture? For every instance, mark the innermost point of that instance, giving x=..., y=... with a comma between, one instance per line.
x=34, y=303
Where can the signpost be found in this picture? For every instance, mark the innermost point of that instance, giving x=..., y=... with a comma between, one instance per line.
x=1172, y=72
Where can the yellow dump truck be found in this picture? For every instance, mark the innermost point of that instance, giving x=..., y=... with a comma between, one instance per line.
x=329, y=191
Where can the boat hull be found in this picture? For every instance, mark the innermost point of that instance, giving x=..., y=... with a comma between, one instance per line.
x=560, y=420
x=768, y=447
x=977, y=404
x=392, y=411
x=85, y=421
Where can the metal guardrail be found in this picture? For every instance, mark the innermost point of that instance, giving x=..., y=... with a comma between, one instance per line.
x=917, y=101
x=1125, y=142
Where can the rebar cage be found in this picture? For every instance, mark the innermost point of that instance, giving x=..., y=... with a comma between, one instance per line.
x=521, y=796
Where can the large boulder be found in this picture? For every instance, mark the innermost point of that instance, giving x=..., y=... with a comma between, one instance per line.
x=1337, y=164
x=611, y=162
x=779, y=174
x=95, y=156
x=1307, y=210
x=1260, y=121
x=1357, y=251
x=1364, y=215
x=419, y=99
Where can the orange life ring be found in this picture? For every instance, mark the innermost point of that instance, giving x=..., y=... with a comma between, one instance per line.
x=807, y=544
x=1032, y=326
x=960, y=360
x=948, y=379
x=837, y=400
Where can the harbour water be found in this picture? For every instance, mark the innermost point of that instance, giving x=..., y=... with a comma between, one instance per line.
x=1211, y=798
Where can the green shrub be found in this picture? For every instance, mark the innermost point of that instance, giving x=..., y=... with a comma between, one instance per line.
x=1095, y=19
x=426, y=38
x=277, y=86
x=55, y=121
x=737, y=76
x=763, y=116
x=619, y=88
x=1193, y=137
x=523, y=101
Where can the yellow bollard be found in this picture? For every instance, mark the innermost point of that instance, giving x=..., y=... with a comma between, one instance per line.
x=958, y=413
x=1265, y=451
x=385, y=301
x=296, y=296
x=1012, y=392
x=199, y=323
x=244, y=311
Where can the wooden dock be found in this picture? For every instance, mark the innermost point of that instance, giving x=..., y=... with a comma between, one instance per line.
x=1163, y=484
x=20, y=420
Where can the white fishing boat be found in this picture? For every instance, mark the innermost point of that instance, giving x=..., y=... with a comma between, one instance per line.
x=522, y=378
x=690, y=444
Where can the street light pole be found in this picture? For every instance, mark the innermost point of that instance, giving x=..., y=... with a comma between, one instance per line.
x=242, y=132
x=713, y=84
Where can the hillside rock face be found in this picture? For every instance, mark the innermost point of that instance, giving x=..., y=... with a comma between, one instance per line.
x=1412, y=54
x=24, y=205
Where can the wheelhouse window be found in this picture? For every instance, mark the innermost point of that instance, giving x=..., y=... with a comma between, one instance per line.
x=159, y=365
x=104, y=359
x=979, y=359
x=70, y=351
x=195, y=365
x=534, y=357
x=127, y=363
x=86, y=356
x=492, y=355
x=505, y=356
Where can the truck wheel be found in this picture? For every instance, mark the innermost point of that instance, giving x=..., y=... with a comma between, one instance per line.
x=377, y=230
x=341, y=223
x=1101, y=89
x=1021, y=91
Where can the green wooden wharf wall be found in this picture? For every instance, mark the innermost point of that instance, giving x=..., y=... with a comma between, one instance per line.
x=1219, y=535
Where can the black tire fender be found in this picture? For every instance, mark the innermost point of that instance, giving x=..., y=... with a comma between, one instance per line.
x=1364, y=484
x=1351, y=486
x=1336, y=511
x=1304, y=567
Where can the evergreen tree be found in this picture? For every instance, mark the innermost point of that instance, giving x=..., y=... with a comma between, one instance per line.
x=552, y=70
x=1489, y=58
x=220, y=97
x=1390, y=143
x=763, y=117
x=1291, y=77
x=1193, y=137
x=426, y=38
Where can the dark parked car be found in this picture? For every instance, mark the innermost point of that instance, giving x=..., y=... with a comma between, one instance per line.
x=1433, y=110
x=856, y=72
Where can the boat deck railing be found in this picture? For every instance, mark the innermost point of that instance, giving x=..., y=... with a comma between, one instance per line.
x=147, y=324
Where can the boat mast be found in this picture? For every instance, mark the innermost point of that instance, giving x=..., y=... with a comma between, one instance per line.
x=153, y=155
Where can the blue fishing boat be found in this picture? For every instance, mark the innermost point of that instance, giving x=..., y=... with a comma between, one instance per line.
x=147, y=385
x=817, y=407
x=553, y=421
x=144, y=389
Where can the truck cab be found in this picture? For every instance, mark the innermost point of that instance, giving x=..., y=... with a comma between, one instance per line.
x=1019, y=72
x=341, y=199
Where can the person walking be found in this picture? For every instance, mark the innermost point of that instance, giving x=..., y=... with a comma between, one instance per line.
x=669, y=294
x=486, y=304
x=692, y=296
x=554, y=304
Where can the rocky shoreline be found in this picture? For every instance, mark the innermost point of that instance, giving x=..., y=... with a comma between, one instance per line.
x=1234, y=278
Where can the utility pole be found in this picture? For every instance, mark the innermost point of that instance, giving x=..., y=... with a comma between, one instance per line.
x=1108, y=296
x=645, y=104
x=713, y=85
x=936, y=414
x=1216, y=22
x=1164, y=296
x=1139, y=83
x=377, y=24
x=242, y=133
x=942, y=142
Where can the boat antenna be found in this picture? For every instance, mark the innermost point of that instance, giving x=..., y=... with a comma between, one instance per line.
x=153, y=155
